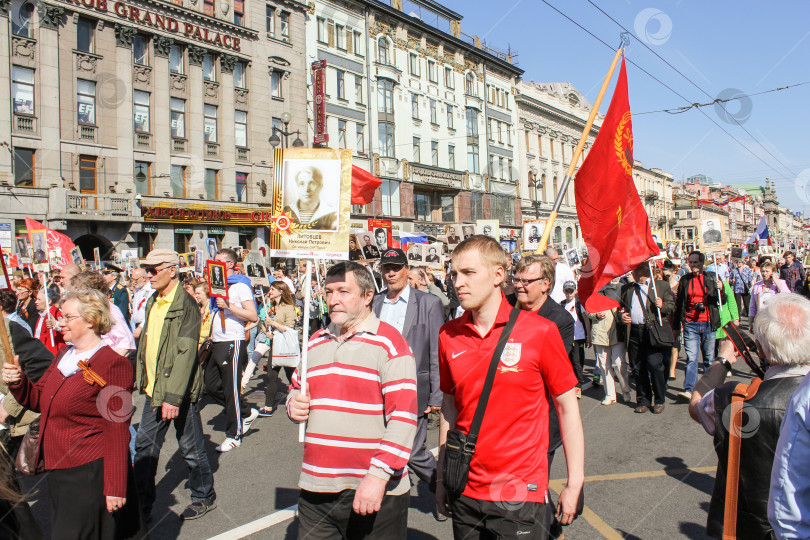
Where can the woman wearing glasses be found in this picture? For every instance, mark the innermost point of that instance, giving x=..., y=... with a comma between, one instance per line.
x=85, y=398
x=26, y=301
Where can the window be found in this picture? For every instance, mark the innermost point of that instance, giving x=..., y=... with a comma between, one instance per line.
x=477, y=205
x=341, y=133
x=275, y=84
x=87, y=174
x=491, y=129
x=341, y=87
x=450, y=117
x=414, y=106
x=22, y=90
x=340, y=36
x=284, y=20
x=472, y=158
x=472, y=123
x=448, y=212
x=85, y=29
x=142, y=177
x=451, y=156
x=86, y=101
x=22, y=11
x=358, y=43
x=178, y=114
x=240, y=122
x=141, y=100
x=239, y=80
x=241, y=187
x=433, y=73
x=24, y=167
x=390, y=198
x=178, y=179
x=270, y=21
x=358, y=89
x=211, y=178
x=239, y=12
x=421, y=206
x=208, y=7
x=382, y=51
x=433, y=115
x=417, y=157
x=360, y=141
x=434, y=153
x=276, y=125
x=540, y=145
x=501, y=168
x=509, y=175
x=208, y=67
x=176, y=59
x=413, y=62
x=210, y=123
x=469, y=84
x=386, y=131
x=385, y=96
x=140, y=50
x=320, y=29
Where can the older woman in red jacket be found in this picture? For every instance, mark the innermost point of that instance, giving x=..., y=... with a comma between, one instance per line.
x=85, y=398
x=47, y=327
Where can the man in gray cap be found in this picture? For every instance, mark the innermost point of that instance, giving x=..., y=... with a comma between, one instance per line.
x=168, y=346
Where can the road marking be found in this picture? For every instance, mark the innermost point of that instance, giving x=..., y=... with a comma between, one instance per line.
x=258, y=525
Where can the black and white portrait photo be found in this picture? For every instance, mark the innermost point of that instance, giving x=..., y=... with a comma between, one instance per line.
x=469, y=230
x=355, y=253
x=76, y=256
x=369, y=248
x=453, y=233
x=381, y=239
x=710, y=231
x=311, y=192
x=415, y=254
x=673, y=249
x=212, y=248
x=39, y=246
x=572, y=257
x=532, y=233
x=433, y=255
x=217, y=277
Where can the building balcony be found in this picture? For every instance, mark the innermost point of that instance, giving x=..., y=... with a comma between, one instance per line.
x=211, y=149
x=242, y=154
x=178, y=146
x=650, y=196
x=143, y=140
x=66, y=204
x=26, y=124
x=87, y=133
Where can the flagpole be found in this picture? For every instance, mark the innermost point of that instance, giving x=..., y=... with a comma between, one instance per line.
x=578, y=150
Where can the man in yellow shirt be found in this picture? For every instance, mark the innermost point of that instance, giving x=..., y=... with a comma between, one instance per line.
x=170, y=376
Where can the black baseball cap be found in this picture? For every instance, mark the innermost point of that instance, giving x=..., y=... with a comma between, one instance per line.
x=393, y=256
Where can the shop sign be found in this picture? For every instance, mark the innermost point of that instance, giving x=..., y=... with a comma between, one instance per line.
x=182, y=230
x=216, y=230
x=435, y=177
x=319, y=74
x=149, y=228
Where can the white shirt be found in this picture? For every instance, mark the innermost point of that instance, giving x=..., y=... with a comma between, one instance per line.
x=234, y=326
x=139, y=298
x=562, y=273
x=69, y=363
x=571, y=308
x=393, y=311
x=636, y=309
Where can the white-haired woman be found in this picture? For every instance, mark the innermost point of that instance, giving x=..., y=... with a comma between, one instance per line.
x=85, y=398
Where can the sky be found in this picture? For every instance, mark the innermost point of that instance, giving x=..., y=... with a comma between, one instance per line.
x=726, y=49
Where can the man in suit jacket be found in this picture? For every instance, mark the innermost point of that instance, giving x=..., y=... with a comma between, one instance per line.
x=418, y=316
x=647, y=360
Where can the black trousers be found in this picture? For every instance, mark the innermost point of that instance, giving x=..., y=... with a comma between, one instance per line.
x=742, y=303
x=271, y=389
x=329, y=515
x=485, y=520
x=577, y=358
x=79, y=507
x=648, y=367
x=223, y=374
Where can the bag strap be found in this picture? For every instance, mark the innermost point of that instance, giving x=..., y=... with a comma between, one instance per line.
x=475, y=426
x=647, y=315
x=741, y=394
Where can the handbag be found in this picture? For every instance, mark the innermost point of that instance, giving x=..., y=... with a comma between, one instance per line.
x=286, y=352
x=660, y=334
x=206, y=348
x=26, y=461
x=460, y=447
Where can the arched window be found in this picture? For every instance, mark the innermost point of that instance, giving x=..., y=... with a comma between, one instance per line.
x=383, y=50
x=558, y=235
x=542, y=187
x=554, y=193
x=569, y=237
x=469, y=84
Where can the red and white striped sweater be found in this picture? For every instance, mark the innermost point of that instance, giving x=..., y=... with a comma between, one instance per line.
x=362, y=416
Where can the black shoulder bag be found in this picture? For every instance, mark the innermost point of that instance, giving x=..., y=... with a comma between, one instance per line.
x=460, y=447
x=660, y=334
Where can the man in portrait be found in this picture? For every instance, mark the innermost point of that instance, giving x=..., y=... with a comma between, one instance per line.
x=308, y=209
x=468, y=231
x=711, y=235
x=381, y=236
x=415, y=253
x=452, y=235
x=370, y=251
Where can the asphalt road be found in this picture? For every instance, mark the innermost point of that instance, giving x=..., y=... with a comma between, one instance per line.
x=648, y=476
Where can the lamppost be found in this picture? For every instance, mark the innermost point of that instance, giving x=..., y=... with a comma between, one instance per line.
x=284, y=140
x=533, y=185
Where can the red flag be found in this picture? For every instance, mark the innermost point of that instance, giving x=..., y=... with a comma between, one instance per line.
x=55, y=240
x=364, y=184
x=614, y=224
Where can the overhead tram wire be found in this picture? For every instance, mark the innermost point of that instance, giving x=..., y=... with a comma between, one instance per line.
x=681, y=110
x=671, y=90
x=620, y=25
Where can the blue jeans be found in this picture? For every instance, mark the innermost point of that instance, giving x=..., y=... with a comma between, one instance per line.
x=697, y=335
x=151, y=434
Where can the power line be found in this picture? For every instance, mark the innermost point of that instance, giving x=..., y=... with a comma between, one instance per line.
x=680, y=110
x=696, y=86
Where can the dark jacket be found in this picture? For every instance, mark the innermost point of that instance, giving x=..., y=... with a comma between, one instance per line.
x=120, y=297
x=663, y=291
x=709, y=299
x=794, y=275
x=423, y=318
x=177, y=373
x=756, y=456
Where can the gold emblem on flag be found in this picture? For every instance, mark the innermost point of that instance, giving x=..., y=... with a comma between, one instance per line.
x=510, y=357
x=619, y=217
x=623, y=144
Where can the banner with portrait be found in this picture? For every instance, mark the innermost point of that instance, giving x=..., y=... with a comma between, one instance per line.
x=415, y=254
x=673, y=249
x=488, y=227
x=253, y=264
x=712, y=233
x=366, y=245
x=532, y=233
x=311, y=203
x=383, y=236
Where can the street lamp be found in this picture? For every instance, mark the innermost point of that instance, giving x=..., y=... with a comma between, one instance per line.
x=533, y=185
x=275, y=140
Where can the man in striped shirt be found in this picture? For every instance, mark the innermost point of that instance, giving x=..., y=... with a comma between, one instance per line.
x=360, y=409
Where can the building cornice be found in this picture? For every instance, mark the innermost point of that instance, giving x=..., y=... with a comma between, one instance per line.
x=550, y=110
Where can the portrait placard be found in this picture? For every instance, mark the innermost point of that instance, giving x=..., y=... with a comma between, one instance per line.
x=23, y=249
x=97, y=258
x=488, y=227
x=433, y=255
x=199, y=262
x=736, y=254
x=572, y=258
x=674, y=249
x=367, y=246
x=383, y=237
x=658, y=236
x=311, y=203
x=217, y=283
x=532, y=233
x=253, y=263
x=5, y=283
x=416, y=254
x=455, y=234
x=712, y=234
